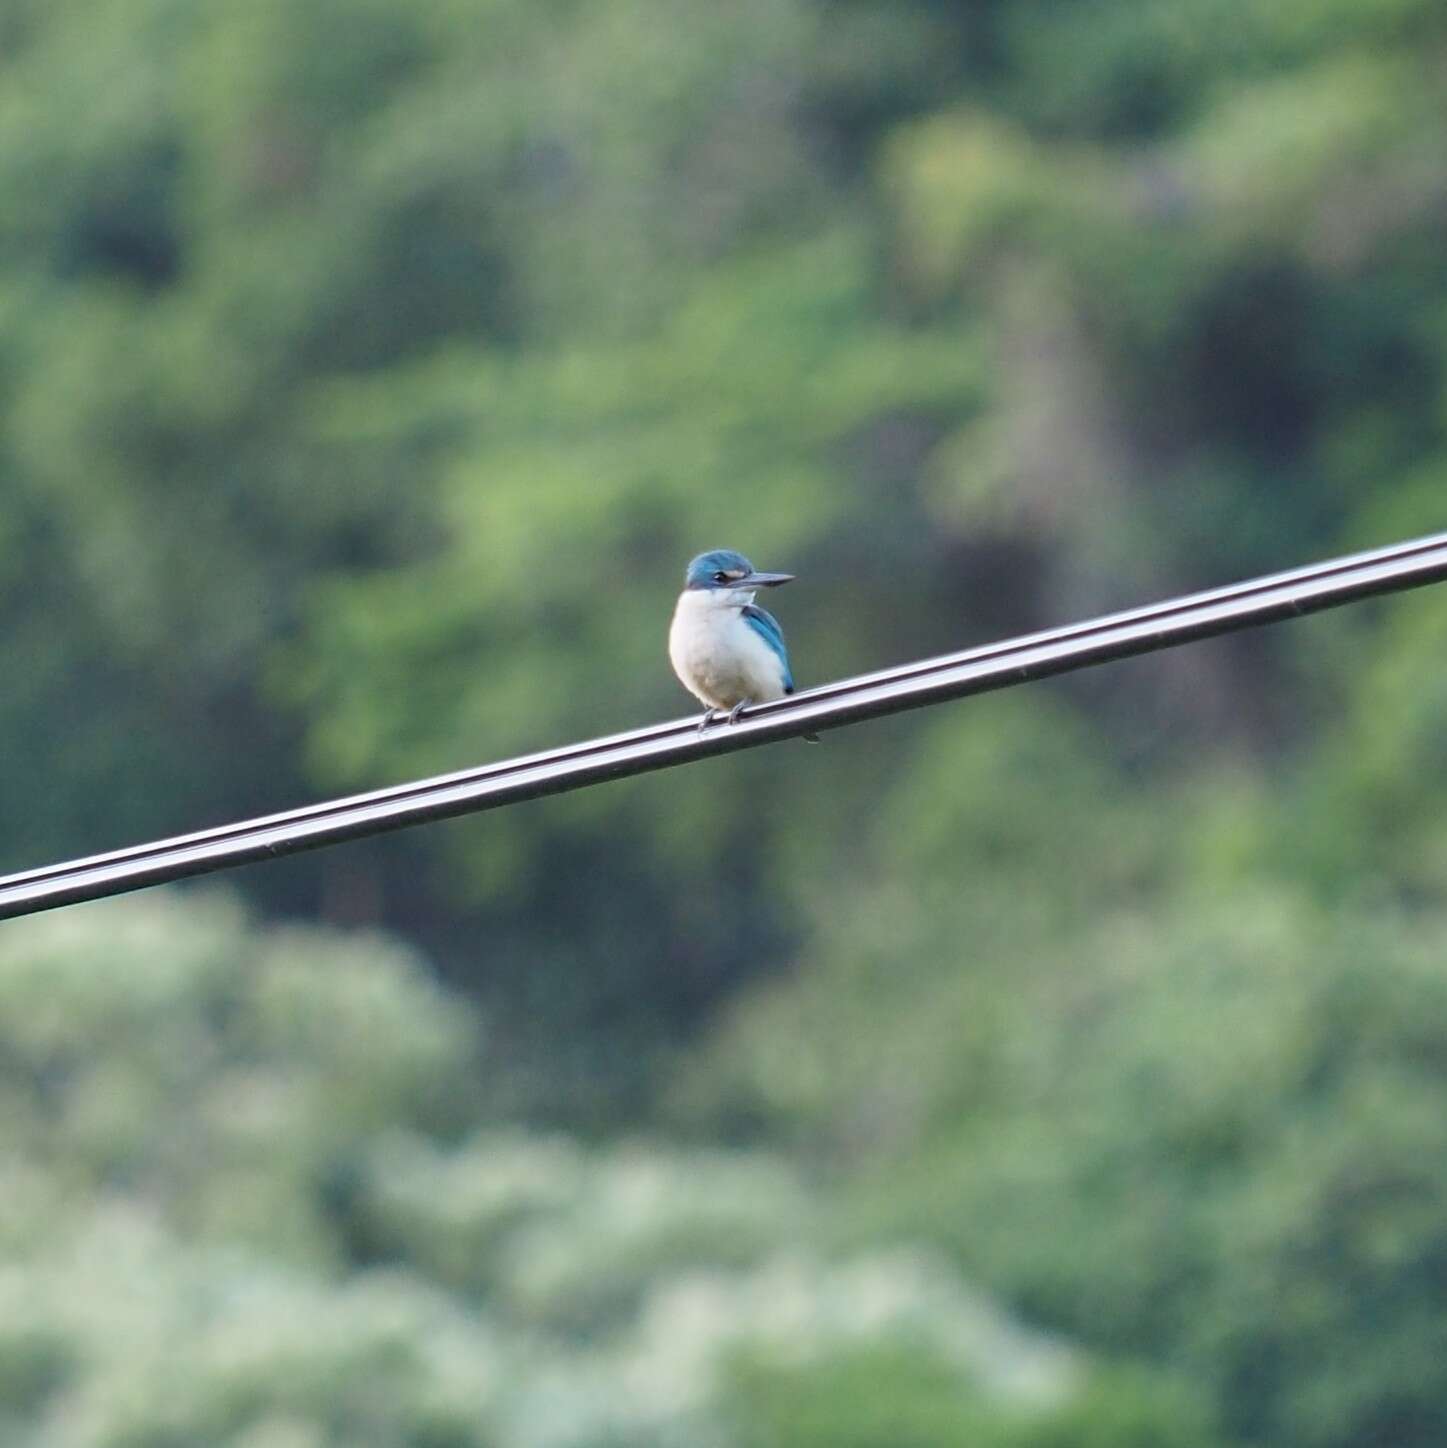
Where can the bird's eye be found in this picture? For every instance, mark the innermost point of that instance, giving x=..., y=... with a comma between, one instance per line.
x=720, y=577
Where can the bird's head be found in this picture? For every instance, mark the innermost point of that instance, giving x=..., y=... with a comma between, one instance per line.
x=724, y=571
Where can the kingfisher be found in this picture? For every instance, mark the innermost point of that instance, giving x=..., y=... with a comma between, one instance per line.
x=725, y=649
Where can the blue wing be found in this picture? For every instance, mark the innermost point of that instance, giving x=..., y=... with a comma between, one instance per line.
x=767, y=627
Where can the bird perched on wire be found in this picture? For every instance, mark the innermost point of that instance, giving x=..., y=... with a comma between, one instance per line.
x=725, y=649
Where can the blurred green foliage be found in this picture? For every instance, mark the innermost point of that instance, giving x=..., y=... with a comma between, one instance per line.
x=248, y=1201
x=369, y=370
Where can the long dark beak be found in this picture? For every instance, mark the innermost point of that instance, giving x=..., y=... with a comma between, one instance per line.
x=764, y=580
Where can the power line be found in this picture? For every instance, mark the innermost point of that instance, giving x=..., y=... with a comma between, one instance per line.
x=1270, y=599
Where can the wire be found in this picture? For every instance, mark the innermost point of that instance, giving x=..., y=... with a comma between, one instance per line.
x=1269, y=599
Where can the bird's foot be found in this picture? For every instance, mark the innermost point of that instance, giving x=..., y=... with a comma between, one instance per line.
x=706, y=720
x=737, y=710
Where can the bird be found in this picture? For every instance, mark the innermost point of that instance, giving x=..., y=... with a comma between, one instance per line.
x=726, y=650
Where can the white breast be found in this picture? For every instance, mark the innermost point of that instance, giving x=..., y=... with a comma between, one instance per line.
x=720, y=660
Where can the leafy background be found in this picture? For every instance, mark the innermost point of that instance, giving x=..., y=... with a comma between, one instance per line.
x=1057, y=1070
